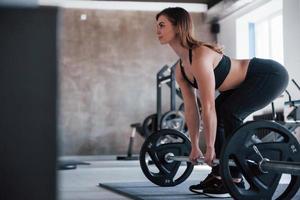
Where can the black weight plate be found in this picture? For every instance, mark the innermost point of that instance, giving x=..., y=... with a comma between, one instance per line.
x=181, y=107
x=155, y=148
x=173, y=120
x=149, y=125
x=273, y=142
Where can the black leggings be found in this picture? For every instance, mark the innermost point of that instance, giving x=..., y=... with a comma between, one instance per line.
x=265, y=80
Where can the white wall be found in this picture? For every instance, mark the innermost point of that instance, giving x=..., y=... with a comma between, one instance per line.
x=227, y=36
x=291, y=41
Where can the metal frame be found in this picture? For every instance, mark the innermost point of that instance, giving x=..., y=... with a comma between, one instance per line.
x=170, y=80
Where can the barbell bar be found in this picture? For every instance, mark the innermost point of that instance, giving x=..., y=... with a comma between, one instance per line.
x=285, y=167
x=262, y=174
x=169, y=158
x=265, y=165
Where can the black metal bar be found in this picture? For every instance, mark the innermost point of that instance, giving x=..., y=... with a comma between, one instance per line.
x=293, y=80
x=170, y=158
x=162, y=70
x=290, y=98
x=159, y=79
x=177, y=89
x=273, y=111
x=164, y=79
x=173, y=90
x=286, y=167
x=158, y=99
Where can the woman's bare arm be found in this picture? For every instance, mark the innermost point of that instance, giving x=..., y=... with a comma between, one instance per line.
x=190, y=107
x=202, y=69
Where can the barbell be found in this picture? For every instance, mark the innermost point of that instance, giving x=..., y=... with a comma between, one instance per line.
x=262, y=150
x=264, y=165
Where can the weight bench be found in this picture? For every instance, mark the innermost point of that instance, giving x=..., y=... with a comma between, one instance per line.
x=137, y=127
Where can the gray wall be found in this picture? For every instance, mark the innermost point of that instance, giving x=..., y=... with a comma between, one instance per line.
x=108, y=66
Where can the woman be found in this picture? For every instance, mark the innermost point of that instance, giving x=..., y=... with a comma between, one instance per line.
x=244, y=85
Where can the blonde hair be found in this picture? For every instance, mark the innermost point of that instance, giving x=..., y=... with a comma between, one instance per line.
x=181, y=19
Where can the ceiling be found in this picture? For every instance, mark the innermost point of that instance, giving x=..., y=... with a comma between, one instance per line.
x=217, y=9
x=209, y=3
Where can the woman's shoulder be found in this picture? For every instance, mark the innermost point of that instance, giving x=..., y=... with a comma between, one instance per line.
x=203, y=52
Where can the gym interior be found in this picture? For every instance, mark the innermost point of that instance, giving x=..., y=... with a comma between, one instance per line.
x=85, y=85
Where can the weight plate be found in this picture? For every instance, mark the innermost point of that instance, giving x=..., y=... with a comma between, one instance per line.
x=274, y=142
x=173, y=120
x=154, y=150
x=149, y=125
x=181, y=107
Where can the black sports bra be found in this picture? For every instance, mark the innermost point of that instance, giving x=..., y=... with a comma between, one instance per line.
x=221, y=71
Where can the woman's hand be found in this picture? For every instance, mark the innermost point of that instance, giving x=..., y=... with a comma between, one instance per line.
x=209, y=155
x=195, y=154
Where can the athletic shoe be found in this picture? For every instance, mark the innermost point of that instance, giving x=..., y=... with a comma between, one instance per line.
x=218, y=189
x=209, y=180
x=241, y=184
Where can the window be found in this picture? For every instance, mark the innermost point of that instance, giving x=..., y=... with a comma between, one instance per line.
x=268, y=38
x=260, y=34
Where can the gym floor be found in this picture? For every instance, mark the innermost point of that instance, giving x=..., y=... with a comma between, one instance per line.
x=82, y=183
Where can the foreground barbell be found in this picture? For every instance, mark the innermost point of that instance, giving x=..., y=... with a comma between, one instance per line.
x=272, y=141
x=277, y=152
x=264, y=165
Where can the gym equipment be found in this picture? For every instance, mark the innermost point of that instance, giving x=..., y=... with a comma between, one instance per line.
x=166, y=75
x=130, y=145
x=69, y=164
x=152, y=122
x=154, y=150
x=294, y=115
x=292, y=121
x=162, y=78
x=278, y=155
x=262, y=158
x=149, y=125
x=173, y=120
x=181, y=107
